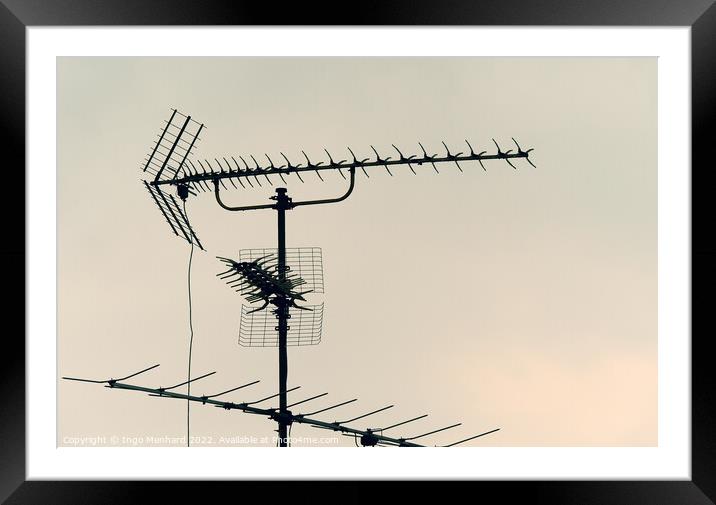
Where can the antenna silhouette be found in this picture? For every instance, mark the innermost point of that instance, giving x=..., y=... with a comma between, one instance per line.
x=368, y=437
x=280, y=277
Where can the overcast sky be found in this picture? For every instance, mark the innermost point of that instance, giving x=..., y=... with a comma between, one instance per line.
x=520, y=299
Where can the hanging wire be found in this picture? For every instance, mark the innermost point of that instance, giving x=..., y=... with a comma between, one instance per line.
x=191, y=338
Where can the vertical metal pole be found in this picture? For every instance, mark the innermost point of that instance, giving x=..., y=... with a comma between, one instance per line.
x=282, y=204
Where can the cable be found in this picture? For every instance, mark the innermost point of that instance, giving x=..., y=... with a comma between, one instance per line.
x=288, y=442
x=191, y=336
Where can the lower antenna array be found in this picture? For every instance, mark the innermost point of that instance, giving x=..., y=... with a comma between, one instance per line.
x=369, y=437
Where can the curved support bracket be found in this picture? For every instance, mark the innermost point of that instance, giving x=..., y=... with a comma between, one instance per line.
x=352, y=171
x=247, y=207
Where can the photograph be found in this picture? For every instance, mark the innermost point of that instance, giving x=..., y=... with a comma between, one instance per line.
x=433, y=251
x=260, y=244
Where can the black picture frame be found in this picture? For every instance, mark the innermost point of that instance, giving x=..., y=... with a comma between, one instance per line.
x=17, y=15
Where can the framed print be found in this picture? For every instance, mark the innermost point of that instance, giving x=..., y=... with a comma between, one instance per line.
x=473, y=239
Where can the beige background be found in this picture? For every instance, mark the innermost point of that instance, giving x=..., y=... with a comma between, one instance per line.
x=524, y=300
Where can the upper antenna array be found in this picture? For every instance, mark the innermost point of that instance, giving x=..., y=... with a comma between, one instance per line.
x=170, y=164
x=196, y=176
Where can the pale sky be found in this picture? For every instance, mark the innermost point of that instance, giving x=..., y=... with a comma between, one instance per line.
x=524, y=300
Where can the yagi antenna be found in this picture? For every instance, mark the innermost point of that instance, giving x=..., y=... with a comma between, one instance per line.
x=219, y=173
x=304, y=272
x=280, y=277
x=169, y=165
x=166, y=162
x=369, y=437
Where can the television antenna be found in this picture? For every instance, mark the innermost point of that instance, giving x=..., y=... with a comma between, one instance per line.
x=269, y=278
